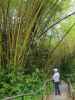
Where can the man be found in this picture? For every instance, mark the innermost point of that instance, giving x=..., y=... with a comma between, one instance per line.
x=56, y=80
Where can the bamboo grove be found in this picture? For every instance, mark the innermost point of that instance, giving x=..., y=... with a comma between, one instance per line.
x=23, y=25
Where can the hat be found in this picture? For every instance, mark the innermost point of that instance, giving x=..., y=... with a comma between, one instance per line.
x=55, y=69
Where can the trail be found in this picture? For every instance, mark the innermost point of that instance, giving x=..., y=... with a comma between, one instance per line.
x=64, y=94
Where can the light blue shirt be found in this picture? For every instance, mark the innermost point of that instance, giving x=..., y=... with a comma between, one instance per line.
x=56, y=77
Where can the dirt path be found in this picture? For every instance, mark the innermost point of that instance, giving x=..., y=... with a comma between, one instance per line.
x=64, y=97
x=64, y=94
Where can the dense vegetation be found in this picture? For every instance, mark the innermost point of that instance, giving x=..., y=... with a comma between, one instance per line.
x=35, y=37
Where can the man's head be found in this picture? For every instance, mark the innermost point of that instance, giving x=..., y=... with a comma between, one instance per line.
x=55, y=70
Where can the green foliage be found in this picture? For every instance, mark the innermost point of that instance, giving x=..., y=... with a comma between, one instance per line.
x=11, y=85
x=25, y=48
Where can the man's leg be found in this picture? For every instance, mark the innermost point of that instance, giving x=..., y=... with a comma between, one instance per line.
x=58, y=89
